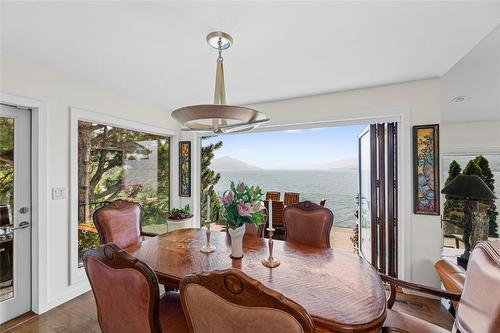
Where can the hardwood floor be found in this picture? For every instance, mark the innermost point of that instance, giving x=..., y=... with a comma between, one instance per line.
x=428, y=309
x=75, y=316
x=79, y=315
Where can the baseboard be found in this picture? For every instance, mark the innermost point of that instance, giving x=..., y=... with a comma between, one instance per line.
x=73, y=291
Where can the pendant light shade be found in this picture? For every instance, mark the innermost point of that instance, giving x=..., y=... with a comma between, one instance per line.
x=219, y=117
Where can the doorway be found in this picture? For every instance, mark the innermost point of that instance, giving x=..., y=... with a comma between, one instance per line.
x=15, y=212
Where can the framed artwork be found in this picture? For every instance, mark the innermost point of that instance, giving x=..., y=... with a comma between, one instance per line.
x=426, y=169
x=185, y=168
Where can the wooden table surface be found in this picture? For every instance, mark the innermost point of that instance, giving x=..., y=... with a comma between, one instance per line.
x=341, y=291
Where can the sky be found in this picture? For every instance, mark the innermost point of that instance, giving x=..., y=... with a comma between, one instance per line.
x=292, y=149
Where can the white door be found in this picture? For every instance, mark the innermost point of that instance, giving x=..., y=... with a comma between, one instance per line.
x=15, y=212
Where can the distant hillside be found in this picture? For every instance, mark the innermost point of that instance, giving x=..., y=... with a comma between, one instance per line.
x=229, y=163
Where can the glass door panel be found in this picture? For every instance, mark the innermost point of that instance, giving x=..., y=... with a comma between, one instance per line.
x=364, y=199
x=15, y=215
x=6, y=205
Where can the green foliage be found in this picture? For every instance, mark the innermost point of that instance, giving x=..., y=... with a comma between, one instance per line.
x=472, y=169
x=180, y=213
x=87, y=240
x=243, y=204
x=488, y=178
x=451, y=203
x=7, y=161
x=209, y=179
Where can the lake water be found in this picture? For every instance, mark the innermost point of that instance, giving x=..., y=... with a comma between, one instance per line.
x=338, y=187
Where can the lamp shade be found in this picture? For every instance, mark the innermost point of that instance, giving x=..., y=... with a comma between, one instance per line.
x=469, y=186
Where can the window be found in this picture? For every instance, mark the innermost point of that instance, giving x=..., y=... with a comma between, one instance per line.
x=117, y=163
x=452, y=207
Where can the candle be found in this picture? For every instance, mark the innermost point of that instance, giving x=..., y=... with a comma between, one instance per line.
x=208, y=207
x=270, y=214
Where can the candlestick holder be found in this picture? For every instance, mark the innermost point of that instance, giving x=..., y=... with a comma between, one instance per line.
x=208, y=248
x=270, y=261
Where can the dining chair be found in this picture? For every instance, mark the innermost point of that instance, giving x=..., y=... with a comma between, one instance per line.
x=278, y=223
x=127, y=295
x=256, y=231
x=119, y=222
x=291, y=198
x=479, y=307
x=308, y=223
x=231, y=301
x=275, y=196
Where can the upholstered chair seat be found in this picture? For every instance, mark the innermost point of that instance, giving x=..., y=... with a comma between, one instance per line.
x=308, y=223
x=127, y=294
x=230, y=301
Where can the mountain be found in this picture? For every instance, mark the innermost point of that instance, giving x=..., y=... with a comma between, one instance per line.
x=229, y=163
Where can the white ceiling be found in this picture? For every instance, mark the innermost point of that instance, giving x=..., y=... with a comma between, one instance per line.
x=157, y=51
x=477, y=77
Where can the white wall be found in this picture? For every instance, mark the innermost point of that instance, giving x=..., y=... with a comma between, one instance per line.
x=470, y=137
x=418, y=103
x=60, y=91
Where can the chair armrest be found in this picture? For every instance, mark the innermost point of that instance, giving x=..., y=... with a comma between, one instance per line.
x=148, y=234
x=393, y=282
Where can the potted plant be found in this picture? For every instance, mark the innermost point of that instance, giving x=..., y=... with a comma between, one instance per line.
x=180, y=213
x=179, y=218
x=241, y=204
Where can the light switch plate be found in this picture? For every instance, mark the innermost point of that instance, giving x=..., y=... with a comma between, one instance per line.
x=58, y=193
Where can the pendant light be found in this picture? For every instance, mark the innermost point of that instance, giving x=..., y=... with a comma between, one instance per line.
x=219, y=118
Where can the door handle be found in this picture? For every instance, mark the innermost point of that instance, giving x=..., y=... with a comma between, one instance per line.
x=22, y=225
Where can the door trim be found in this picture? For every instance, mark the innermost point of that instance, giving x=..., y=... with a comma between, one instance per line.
x=39, y=196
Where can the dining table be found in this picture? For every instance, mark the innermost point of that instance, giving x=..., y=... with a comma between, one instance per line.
x=339, y=289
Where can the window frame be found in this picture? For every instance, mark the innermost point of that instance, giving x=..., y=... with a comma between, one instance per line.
x=77, y=274
x=454, y=153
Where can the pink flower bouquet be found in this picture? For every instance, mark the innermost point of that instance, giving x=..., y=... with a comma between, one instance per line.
x=243, y=204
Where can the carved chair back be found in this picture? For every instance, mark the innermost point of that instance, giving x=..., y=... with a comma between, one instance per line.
x=125, y=290
x=119, y=222
x=479, y=308
x=231, y=301
x=275, y=196
x=291, y=198
x=308, y=223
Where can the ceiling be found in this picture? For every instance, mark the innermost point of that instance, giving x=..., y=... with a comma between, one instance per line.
x=477, y=78
x=156, y=51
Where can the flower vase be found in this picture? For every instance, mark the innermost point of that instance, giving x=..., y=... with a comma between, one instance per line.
x=237, y=241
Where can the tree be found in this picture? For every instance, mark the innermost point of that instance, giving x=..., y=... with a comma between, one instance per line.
x=488, y=178
x=7, y=160
x=472, y=169
x=209, y=179
x=451, y=203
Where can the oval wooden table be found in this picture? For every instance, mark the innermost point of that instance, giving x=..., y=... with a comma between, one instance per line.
x=341, y=291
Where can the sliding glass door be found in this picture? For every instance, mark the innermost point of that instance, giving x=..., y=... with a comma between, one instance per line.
x=377, y=197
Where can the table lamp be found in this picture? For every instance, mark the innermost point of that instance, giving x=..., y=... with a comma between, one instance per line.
x=471, y=188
